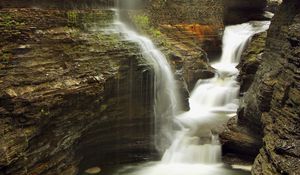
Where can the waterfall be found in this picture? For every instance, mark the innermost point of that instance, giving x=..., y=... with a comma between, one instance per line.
x=195, y=148
x=212, y=102
x=166, y=103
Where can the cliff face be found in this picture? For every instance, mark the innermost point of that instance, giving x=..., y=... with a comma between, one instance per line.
x=55, y=3
x=63, y=80
x=181, y=11
x=268, y=118
x=276, y=101
x=239, y=11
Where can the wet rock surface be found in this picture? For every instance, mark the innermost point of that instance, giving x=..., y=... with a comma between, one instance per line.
x=277, y=84
x=273, y=5
x=239, y=143
x=188, y=45
x=270, y=105
x=250, y=61
x=60, y=78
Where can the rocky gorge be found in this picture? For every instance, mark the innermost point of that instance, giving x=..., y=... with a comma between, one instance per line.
x=74, y=96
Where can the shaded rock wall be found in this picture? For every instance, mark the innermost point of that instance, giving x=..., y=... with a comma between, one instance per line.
x=58, y=78
x=251, y=59
x=278, y=92
x=124, y=133
x=273, y=5
x=56, y=3
x=269, y=113
x=239, y=11
x=239, y=139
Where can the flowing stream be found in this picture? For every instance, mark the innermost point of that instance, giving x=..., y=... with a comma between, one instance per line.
x=195, y=147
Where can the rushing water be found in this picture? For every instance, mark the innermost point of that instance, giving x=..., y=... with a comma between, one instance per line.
x=195, y=147
x=166, y=101
x=212, y=102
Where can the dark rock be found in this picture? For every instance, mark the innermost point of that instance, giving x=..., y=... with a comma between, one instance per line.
x=239, y=11
x=270, y=107
x=273, y=5
x=250, y=61
x=69, y=93
x=61, y=4
x=188, y=12
x=238, y=141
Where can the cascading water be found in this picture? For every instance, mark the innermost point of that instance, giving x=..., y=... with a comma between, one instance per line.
x=195, y=147
x=166, y=101
x=212, y=102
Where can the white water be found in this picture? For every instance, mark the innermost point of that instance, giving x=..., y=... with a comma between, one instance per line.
x=166, y=101
x=212, y=102
x=195, y=148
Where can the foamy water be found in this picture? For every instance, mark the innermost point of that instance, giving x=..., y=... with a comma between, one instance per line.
x=195, y=147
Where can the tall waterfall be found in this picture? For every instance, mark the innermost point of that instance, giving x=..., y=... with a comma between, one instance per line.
x=166, y=101
x=195, y=147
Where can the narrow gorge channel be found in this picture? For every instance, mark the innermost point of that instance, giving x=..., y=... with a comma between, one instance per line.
x=149, y=87
x=190, y=139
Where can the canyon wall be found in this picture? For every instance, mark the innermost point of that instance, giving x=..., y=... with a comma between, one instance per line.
x=70, y=92
x=73, y=97
x=56, y=3
x=275, y=105
x=268, y=119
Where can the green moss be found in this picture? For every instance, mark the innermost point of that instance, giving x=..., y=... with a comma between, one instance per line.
x=72, y=18
x=103, y=107
x=109, y=39
x=44, y=112
x=5, y=56
x=143, y=23
x=7, y=21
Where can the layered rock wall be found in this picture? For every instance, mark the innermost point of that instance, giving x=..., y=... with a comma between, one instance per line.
x=181, y=11
x=269, y=114
x=238, y=11
x=277, y=95
x=56, y=3
x=69, y=92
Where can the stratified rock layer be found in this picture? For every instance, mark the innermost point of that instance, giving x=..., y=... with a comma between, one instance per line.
x=278, y=94
x=182, y=11
x=239, y=11
x=238, y=139
x=270, y=107
x=56, y=3
x=66, y=88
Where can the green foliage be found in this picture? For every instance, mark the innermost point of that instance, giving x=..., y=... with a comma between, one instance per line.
x=72, y=17
x=143, y=22
x=159, y=3
x=103, y=107
x=154, y=32
x=7, y=21
x=109, y=39
x=5, y=57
